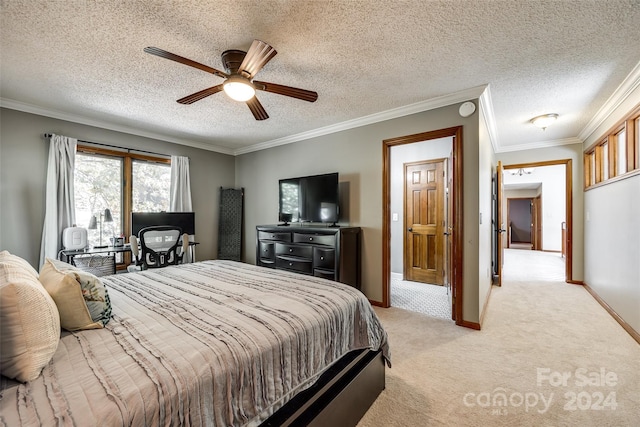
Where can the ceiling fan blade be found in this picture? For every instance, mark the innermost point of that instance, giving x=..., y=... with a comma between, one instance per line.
x=168, y=55
x=257, y=109
x=294, y=92
x=257, y=57
x=199, y=95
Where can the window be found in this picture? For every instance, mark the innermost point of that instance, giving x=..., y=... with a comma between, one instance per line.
x=150, y=186
x=616, y=155
x=97, y=186
x=621, y=148
x=121, y=182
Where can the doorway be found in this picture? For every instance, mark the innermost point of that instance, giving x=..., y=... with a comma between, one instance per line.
x=451, y=233
x=548, y=188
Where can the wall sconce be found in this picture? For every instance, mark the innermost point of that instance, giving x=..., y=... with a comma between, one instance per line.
x=104, y=217
x=544, y=120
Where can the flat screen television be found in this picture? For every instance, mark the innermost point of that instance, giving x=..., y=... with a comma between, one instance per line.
x=309, y=199
x=184, y=220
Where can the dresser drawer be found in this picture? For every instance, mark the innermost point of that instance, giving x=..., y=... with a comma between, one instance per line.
x=295, y=250
x=317, y=239
x=265, y=235
x=325, y=274
x=298, y=265
x=267, y=251
x=324, y=258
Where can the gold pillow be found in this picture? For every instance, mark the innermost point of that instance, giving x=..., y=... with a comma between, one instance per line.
x=29, y=322
x=66, y=291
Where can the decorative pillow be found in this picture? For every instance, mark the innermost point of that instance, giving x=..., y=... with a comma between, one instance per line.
x=29, y=322
x=7, y=258
x=82, y=299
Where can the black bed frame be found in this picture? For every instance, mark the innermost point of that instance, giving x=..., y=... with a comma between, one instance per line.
x=340, y=397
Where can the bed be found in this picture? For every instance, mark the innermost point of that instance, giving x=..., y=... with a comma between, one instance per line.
x=212, y=343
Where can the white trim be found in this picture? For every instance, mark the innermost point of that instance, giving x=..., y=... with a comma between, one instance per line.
x=74, y=118
x=541, y=144
x=489, y=118
x=629, y=84
x=418, y=107
x=396, y=276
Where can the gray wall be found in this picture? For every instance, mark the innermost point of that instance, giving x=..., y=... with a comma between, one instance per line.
x=612, y=234
x=357, y=155
x=23, y=165
x=482, y=191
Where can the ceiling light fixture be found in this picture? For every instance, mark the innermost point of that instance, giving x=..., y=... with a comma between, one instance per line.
x=544, y=120
x=522, y=171
x=239, y=88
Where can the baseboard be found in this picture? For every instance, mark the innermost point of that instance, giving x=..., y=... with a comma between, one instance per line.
x=376, y=303
x=396, y=276
x=575, y=282
x=486, y=303
x=467, y=324
x=634, y=334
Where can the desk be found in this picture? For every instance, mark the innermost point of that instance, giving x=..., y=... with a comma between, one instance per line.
x=69, y=254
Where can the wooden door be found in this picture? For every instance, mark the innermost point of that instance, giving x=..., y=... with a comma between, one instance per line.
x=424, y=222
x=500, y=226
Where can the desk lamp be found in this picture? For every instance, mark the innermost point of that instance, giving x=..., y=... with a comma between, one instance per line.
x=104, y=217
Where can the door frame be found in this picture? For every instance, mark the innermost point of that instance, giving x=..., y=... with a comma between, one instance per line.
x=456, y=239
x=568, y=206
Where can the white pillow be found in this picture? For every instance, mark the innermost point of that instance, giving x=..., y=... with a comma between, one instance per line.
x=29, y=321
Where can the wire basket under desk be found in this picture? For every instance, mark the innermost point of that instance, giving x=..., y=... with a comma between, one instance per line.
x=98, y=265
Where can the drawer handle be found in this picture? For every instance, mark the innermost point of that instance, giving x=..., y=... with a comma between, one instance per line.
x=321, y=258
x=290, y=249
x=290, y=264
x=311, y=239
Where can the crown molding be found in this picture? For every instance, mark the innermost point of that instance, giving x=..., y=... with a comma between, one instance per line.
x=541, y=144
x=74, y=118
x=486, y=104
x=629, y=84
x=418, y=107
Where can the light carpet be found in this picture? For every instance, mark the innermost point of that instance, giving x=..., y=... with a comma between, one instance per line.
x=548, y=355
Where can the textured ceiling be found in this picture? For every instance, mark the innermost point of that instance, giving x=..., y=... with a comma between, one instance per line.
x=84, y=61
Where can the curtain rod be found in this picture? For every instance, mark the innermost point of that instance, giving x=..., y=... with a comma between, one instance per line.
x=129, y=150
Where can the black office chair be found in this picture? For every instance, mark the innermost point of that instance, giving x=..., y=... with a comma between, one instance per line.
x=160, y=246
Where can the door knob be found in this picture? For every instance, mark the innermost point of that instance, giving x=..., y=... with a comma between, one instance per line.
x=447, y=234
x=409, y=229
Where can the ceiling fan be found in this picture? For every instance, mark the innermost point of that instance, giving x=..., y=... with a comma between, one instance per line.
x=241, y=67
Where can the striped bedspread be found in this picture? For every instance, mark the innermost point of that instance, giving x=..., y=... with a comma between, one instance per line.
x=210, y=343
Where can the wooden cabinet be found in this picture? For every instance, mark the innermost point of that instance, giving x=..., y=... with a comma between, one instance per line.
x=329, y=252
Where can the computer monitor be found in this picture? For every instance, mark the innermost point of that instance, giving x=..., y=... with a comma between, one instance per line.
x=184, y=220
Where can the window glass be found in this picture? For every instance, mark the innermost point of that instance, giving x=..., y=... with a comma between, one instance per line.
x=621, y=141
x=98, y=186
x=605, y=161
x=637, y=133
x=150, y=186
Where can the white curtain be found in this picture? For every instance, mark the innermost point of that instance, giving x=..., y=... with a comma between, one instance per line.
x=180, y=185
x=59, y=196
x=181, y=193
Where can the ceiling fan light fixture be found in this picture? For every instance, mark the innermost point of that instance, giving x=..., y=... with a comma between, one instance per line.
x=544, y=120
x=238, y=88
